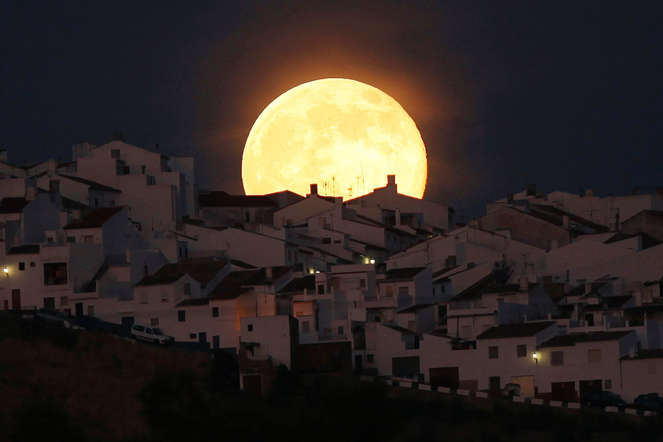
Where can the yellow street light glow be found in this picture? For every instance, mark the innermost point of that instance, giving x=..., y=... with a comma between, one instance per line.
x=344, y=135
x=535, y=355
x=6, y=270
x=372, y=261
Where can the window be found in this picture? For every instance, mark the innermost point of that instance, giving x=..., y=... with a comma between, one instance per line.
x=306, y=326
x=404, y=291
x=557, y=358
x=389, y=292
x=115, y=153
x=521, y=350
x=362, y=283
x=90, y=310
x=71, y=239
x=55, y=273
x=412, y=325
x=64, y=300
x=192, y=336
x=340, y=330
x=607, y=384
x=250, y=327
x=216, y=343
x=32, y=264
x=370, y=358
x=493, y=352
x=593, y=356
x=88, y=239
x=215, y=312
x=151, y=181
x=164, y=297
x=181, y=315
x=321, y=289
x=187, y=288
x=154, y=322
x=21, y=266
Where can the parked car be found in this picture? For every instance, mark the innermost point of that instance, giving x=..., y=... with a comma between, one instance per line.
x=149, y=334
x=511, y=390
x=603, y=399
x=649, y=401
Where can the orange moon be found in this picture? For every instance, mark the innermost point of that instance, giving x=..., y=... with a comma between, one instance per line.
x=344, y=135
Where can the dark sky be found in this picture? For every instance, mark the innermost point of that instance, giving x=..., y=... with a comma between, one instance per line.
x=567, y=95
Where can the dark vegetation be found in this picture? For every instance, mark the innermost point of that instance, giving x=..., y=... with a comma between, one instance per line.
x=145, y=394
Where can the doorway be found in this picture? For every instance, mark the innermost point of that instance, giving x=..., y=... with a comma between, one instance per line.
x=494, y=385
x=16, y=299
x=79, y=309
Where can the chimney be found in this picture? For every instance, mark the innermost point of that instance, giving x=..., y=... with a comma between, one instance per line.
x=4, y=155
x=391, y=182
x=314, y=189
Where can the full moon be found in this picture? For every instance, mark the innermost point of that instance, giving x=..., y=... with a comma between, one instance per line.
x=344, y=135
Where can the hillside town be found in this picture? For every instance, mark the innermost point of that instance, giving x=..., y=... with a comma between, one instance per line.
x=556, y=293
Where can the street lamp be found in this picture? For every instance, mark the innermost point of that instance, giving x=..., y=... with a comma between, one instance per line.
x=535, y=355
x=372, y=261
x=6, y=270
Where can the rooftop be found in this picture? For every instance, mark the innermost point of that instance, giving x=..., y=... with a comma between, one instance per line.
x=574, y=338
x=202, y=270
x=93, y=184
x=515, y=330
x=94, y=218
x=223, y=199
x=299, y=284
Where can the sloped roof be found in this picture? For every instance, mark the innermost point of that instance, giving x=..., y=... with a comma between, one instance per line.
x=193, y=302
x=223, y=199
x=574, y=338
x=647, y=240
x=13, y=204
x=93, y=184
x=515, y=330
x=609, y=303
x=404, y=274
x=94, y=218
x=202, y=270
x=646, y=354
x=400, y=329
x=299, y=284
x=414, y=308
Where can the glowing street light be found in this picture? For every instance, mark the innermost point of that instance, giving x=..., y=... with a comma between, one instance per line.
x=535, y=356
x=372, y=261
x=6, y=270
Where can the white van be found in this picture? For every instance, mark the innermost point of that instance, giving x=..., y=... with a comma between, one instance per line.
x=149, y=334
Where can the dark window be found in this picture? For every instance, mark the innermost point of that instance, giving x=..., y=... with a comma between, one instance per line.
x=181, y=315
x=215, y=312
x=216, y=342
x=493, y=352
x=55, y=273
x=250, y=327
x=49, y=303
x=521, y=350
x=151, y=181
x=362, y=283
x=306, y=327
x=187, y=288
x=21, y=266
x=115, y=153
x=71, y=239
x=557, y=358
x=340, y=330
x=321, y=289
x=192, y=336
x=369, y=357
x=607, y=384
x=32, y=264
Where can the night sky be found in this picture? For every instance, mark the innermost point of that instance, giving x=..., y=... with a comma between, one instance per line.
x=566, y=95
